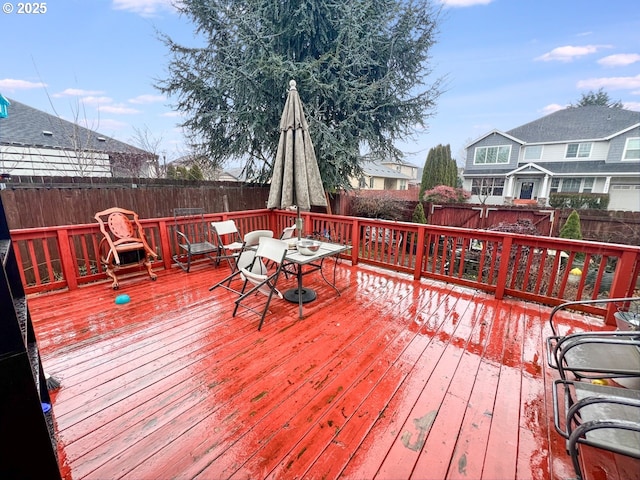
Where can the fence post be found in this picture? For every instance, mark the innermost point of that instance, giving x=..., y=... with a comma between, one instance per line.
x=67, y=259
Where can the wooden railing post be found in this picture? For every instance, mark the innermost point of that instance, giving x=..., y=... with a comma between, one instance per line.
x=501, y=281
x=355, y=244
x=67, y=259
x=620, y=286
x=165, y=244
x=420, y=250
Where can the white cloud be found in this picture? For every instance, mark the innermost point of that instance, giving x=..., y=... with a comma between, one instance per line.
x=553, y=107
x=619, y=60
x=568, y=53
x=77, y=92
x=118, y=109
x=143, y=99
x=12, y=84
x=145, y=8
x=104, y=125
x=610, y=83
x=91, y=100
x=464, y=3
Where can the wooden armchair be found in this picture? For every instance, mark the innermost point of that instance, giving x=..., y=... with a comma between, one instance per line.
x=123, y=242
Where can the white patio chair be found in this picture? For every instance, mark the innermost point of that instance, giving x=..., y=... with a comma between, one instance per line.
x=228, y=241
x=245, y=259
x=288, y=232
x=270, y=251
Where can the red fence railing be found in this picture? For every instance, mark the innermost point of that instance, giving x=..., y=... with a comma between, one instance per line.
x=533, y=268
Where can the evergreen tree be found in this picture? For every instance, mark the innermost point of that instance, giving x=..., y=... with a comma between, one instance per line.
x=361, y=67
x=418, y=214
x=439, y=169
x=182, y=173
x=571, y=228
x=195, y=173
x=597, y=98
x=171, y=172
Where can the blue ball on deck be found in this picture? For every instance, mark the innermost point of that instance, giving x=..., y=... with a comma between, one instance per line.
x=122, y=299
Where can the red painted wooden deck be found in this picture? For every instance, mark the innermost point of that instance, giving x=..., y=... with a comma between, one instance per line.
x=394, y=379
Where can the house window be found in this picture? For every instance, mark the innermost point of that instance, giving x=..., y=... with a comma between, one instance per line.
x=403, y=184
x=570, y=185
x=632, y=149
x=371, y=182
x=362, y=182
x=487, y=186
x=489, y=155
x=533, y=153
x=578, y=150
x=587, y=185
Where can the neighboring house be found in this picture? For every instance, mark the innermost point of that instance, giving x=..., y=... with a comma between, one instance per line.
x=233, y=175
x=579, y=149
x=385, y=176
x=35, y=143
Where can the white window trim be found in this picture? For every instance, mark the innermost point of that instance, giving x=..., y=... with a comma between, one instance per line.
x=477, y=149
x=524, y=156
x=488, y=186
x=581, y=188
x=626, y=149
x=578, y=157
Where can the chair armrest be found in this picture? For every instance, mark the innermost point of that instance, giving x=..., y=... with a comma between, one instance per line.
x=616, y=442
x=184, y=237
x=611, y=403
x=560, y=348
x=586, y=302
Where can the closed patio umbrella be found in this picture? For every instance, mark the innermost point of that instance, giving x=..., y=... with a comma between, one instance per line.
x=296, y=177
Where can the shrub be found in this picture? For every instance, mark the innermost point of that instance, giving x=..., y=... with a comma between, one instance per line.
x=383, y=207
x=446, y=194
x=523, y=226
x=571, y=229
x=577, y=201
x=418, y=214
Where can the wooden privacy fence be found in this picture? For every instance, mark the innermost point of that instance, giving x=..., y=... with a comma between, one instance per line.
x=534, y=268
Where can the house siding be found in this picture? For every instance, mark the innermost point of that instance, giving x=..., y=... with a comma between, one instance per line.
x=617, y=144
x=34, y=161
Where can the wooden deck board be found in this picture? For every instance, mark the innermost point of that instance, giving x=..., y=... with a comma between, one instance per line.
x=394, y=378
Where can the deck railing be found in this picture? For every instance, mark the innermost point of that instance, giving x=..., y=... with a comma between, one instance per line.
x=534, y=268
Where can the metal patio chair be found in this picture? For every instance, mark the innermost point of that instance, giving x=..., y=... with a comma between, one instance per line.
x=193, y=236
x=593, y=355
x=599, y=416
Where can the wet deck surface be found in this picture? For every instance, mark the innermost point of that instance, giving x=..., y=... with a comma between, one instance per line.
x=394, y=379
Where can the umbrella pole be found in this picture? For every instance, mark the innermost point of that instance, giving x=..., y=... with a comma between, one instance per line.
x=299, y=223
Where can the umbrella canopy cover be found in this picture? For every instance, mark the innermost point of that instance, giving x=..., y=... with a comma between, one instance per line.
x=296, y=177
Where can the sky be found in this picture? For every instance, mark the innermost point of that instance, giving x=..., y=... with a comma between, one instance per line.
x=504, y=63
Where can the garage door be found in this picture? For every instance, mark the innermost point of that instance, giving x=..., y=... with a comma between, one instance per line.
x=624, y=197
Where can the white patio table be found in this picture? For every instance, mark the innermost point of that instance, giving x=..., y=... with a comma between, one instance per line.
x=301, y=295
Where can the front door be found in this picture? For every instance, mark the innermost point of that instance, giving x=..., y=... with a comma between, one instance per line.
x=526, y=191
